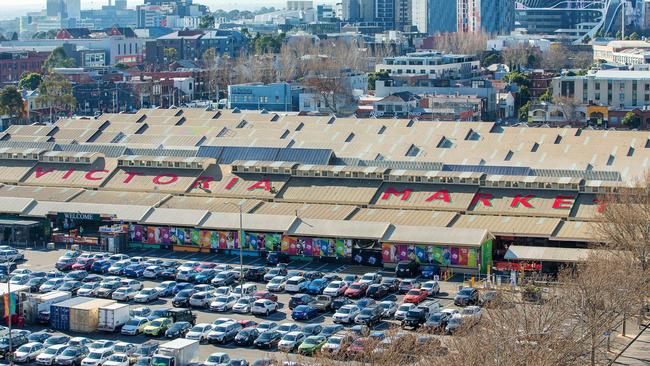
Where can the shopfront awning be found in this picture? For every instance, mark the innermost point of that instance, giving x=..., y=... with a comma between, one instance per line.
x=126, y=213
x=317, y=228
x=15, y=205
x=250, y=222
x=544, y=254
x=23, y=223
x=436, y=235
x=175, y=217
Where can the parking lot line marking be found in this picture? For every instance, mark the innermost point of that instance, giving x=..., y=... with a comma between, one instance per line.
x=321, y=267
x=304, y=265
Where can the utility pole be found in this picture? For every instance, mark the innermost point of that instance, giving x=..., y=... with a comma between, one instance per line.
x=622, y=20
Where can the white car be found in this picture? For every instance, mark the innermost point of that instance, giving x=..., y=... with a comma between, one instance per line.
x=118, y=257
x=134, y=284
x=402, y=310
x=370, y=278
x=51, y=285
x=223, y=303
x=264, y=326
x=134, y=326
x=152, y=272
x=28, y=352
x=88, y=289
x=335, y=288
x=291, y=341
x=199, y=332
x=185, y=274
x=248, y=288
x=388, y=308
x=264, y=307
x=296, y=284
x=217, y=359
x=336, y=344
x=96, y=358
x=276, y=284
x=243, y=305
x=118, y=359
x=287, y=328
x=49, y=354
x=136, y=260
x=223, y=290
x=202, y=299
x=102, y=344
x=472, y=312
x=124, y=294
x=146, y=295
x=346, y=314
x=11, y=254
x=432, y=287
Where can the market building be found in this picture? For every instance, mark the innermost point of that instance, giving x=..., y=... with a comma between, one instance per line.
x=359, y=191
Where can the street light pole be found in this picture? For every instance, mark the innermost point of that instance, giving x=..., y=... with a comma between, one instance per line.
x=10, y=355
x=240, y=206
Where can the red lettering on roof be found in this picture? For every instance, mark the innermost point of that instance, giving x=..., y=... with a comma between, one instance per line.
x=39, y=172
x=264, y=184
x=563, y=202
x=484, y=198
x=390, y=191
x=130, y=176
x=90, y=175
x=232, y=183
x=171, y=178
x=519, y=200
x=441, y=195
x=68, y=173
x=203, y=181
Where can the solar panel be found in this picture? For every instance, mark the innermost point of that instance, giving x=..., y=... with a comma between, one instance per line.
x=207, y=151
x=232, y=153
x=306, y=156
x=183, y=153
x=487, y=169
x=108, y=150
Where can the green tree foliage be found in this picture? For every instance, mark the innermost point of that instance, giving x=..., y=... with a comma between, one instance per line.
x=546, y=97
x=122, y=66
x=631, y=120
x=619, y=35
x=11, y=102
x=523, y=112
x=30, y=81
x=634, y=36
x=516, y=77
x=58, y=58
x=491, y=59
x=171, y=54
x=56, y=94
x=206, y=22
x=268, y=43
x=374, y=76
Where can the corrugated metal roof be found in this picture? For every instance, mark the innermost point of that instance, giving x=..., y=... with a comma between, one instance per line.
x=184, y=153
x=339, y=229
x=28, y=145
x=232, y=153
x=488, y=169
x=585, y=174
x=112, y=151
x=562, y=255
x=435, y=235
x=306, y=156
x=210, y=151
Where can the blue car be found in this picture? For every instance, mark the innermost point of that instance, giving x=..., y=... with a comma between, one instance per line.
x=205, y=276
x=100, y=266
x=429, y=270
x=134, y=270
x=166, y=288
x=182, y=286
x=304, y=312
x=317, y=286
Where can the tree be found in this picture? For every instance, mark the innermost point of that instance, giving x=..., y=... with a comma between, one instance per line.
x=568, y=106
x=210, y=64
x=631, y=120
x=170, y=54
x=516, y=77
x=634, y=36
x=206, y=22
x=374, y=76
x=55, y=92
x=268, y=43
x=30, y=81
x=523, y=111
x=121, y=66
x=546, y=97
x=58, y=58
x=556, y=58
x=619, y=35
x=491, y=59
x=464, y=43
x=11, y=102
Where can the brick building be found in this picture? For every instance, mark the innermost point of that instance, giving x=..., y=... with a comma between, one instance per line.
x=15, y=63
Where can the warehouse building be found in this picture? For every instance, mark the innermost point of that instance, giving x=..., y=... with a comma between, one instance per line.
x=364, y=191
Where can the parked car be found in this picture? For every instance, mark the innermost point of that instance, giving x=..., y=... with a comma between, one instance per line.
x=182, y=298
x=346, y=314
x=369, y=316
x=265, y=295
x=275, y=258
x=322, y=303
x=165, y=288
x=317, y=286
x=134, y=270
x=277, y=284
x=274, y=272
x=157, y=327
x=72, y=356
x=225, y=278
x=49, y=354
x=335, y=288
x=416, y=296
x=199, y=332
x=64, y=264
x=304, y=312
x=311, y=345
x=356, y=290
x=370, y=278
x=296, y=284
x=88, y=289
x=224, y=333
x=100, y=266
x=117, y=359
x=134, y=284
x=205, y=276
x=134, y=326
x=152, y=272
x=217, y=359
x=52, y=284
x=264, y=307
x=182, y=286
x=106, y=289
x=246, y=336
x=377, y=291
x=407, y=285
x=246, y=289
x=414, y=318
x=178, y=329
x=124, y=294
x=388, y=309
x=77, y=275
x=70, y=286
x=437, y=321
x=339, y=302
x=466, y=296
x=336, y=345
x=28, y=352
x=223, y=303
x=268, y=339
x=255, y=274
x=431, y=287
x=407, y=269
x=243, y=305
x=287, y=327
x=299, y=299
x=35, y=283
x=202, y=299
x=117, y=268
x=391, y=283
x=291, y=341
x=402, y=310
x=429, y=270
x=96, y=358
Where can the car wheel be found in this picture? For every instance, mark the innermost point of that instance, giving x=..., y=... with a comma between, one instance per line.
x=267, y=312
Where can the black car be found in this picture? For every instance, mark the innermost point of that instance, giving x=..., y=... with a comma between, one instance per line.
x=467, y=296
x=178, y=330
x=146, y=349
x=312, y=275
x=407, y=269
x=414, y=318
x=168, y=273
x=170, y=263
x=16, y=341
x=181, y=315
x=339, y=302
x=391, y=283
x=377, y=291
x=369, y=316
x=39, y=337
x=246, y=336
x=299, y=299
x=35, y=283
x=268, y=339
x=255, y=274
x=274, y=258
x=437, y=321
x=182, y=299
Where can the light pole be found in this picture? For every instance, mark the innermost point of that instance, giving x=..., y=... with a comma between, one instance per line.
x=10, y=355
x=240, y=206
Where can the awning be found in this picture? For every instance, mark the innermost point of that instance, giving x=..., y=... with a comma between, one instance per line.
x=544, y=254
x=250, y=222
x=435, y=235
x=541, y=227
x=127, y=213
x=15, y=205
x=175, y=217
x=576, y=231
x=7, y=222
x=338, y=229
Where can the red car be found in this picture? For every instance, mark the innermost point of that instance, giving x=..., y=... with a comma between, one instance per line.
x=205, y=265
x=83, y=264
x=416, y=296
x=356, y=290
x=247, y=323
x=265, y=295
x=357, y=348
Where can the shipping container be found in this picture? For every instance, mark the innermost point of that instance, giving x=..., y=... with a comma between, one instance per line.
x=84, y=317
x=32, y=304
x=113, y=317
x=60, y=312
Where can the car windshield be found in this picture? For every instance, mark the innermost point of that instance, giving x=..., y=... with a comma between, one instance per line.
x=185, y=293
x=95, y=355
x=276, y=281
x=355, y=286
x=51, y=351
x=467, y=311
x=285, y=328
x=368, y=277
x=367, y=311
x=314, y=340
x=25, y=349
x=275, y=271
x=335, y=340
x=215, y=358
x=133, y=322
x=70, y=352
x=435, y=317
x=413, y=292
x=290, y=337
x=178, y=326
x=199, y=296
x=345, y=310
x=198, y=328
x=89, y=286
x=110, y=285
x=404, y=307
x=267, y=335
x=244, y=301
x=465, y=292
x=148, y=292
x=156, y=323
x=118, y=358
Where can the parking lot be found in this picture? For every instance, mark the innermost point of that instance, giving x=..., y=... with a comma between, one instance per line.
x=44, y=261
